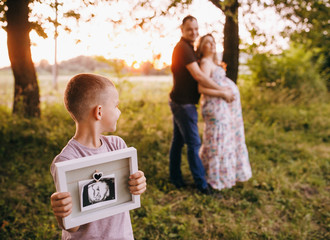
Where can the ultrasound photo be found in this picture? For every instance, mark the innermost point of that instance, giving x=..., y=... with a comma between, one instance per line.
x=97, y=193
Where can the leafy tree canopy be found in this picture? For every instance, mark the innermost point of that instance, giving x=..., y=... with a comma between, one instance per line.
x=309, y=25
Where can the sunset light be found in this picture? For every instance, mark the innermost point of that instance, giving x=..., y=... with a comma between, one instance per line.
x=135, y=65
x=101, y=37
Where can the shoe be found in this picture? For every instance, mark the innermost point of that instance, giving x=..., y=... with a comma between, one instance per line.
x=178, y=183
x=207, y=191
x=211, y=192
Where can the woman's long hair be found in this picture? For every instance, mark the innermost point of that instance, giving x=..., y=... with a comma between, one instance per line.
x=200, y=45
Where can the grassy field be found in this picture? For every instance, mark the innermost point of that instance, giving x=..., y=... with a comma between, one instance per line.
x=289, y=149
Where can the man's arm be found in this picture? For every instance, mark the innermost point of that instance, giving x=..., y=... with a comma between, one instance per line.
x=225, y=93
x=201, y=77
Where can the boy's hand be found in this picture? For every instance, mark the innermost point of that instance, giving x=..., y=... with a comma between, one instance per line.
x=137, y=183
x=61, y=203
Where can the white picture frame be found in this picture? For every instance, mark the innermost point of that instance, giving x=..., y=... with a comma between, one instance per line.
x=119, y=165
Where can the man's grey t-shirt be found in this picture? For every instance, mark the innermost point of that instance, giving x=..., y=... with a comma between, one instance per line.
x=116, y=227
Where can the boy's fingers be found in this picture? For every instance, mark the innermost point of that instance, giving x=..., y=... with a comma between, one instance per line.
x=137, y=181
x=62, y=208
x=59, y=195
x=138, y=192
x=63, y=212
x=138, y=174
x=61, y=202
x=138, y=189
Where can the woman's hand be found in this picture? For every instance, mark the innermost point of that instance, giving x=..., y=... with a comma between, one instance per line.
x=228, y=94
x=223, y=65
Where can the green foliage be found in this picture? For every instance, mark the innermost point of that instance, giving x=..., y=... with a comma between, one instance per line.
x=311, y=19
x=304, y=22
x=27, y=148
x=288, y=143
x=293, y=69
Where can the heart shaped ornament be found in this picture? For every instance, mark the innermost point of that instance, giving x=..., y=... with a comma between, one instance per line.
x=97, y=176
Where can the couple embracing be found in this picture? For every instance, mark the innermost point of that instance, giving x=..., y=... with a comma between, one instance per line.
x=223, y=159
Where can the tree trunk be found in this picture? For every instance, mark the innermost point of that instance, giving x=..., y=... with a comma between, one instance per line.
x=231, y=42
x=26, y=95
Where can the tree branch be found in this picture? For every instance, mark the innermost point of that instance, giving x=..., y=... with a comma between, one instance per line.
x=217, y=4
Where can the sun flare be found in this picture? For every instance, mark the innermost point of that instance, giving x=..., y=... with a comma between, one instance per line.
x=135, y=65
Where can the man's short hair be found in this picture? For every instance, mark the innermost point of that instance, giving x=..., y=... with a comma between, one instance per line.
x=85, y=91
x=189, y=17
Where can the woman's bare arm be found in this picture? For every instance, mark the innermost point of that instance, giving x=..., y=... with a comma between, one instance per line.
x=223, y=92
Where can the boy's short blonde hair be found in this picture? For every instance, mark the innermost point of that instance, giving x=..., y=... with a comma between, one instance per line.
x=84, y=92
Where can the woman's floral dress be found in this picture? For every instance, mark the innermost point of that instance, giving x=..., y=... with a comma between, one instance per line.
x=224, y=153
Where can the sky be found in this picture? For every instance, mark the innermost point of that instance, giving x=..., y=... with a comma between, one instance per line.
x=135, y=45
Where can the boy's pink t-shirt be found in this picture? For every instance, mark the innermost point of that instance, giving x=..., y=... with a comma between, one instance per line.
x=118, y=226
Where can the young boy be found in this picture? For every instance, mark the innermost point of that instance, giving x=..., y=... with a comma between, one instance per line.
x=92, y=102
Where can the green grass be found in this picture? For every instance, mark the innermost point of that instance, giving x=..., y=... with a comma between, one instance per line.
x=287, y=197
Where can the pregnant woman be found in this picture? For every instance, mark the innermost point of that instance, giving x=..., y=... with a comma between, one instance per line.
x=224, y=153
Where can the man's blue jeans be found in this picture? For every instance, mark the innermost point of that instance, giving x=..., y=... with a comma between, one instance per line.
x=185, y=131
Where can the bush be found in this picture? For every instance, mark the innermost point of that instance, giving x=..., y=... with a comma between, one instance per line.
x=293, y=69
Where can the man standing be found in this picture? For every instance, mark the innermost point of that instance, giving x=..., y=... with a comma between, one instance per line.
x=183, y=99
